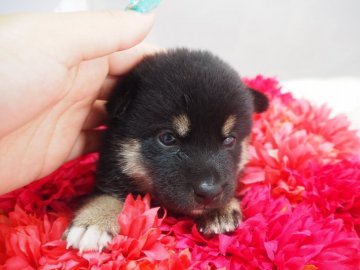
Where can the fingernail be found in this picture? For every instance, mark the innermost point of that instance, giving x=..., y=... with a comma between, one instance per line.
x=142, y=6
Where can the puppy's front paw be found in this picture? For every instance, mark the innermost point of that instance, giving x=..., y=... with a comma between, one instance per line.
x=222, y=220
x=94, y=224
x=87, y=238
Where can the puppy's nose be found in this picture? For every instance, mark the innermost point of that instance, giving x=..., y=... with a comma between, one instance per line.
x=207, y=191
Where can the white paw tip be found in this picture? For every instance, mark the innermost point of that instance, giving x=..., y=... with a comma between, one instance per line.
x=74, y=236
x=85, y=239
x=104, y=240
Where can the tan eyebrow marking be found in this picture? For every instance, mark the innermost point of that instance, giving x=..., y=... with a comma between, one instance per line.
x=228, y=125
x=182, y=124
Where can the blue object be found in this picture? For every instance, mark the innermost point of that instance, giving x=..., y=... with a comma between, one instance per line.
x=142, y=6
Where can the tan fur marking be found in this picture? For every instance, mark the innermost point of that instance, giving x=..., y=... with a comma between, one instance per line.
x=132, y=164
x=233, y=205
x=228, y=125
x=101, y=211
x=244, y=158
x=182, y=124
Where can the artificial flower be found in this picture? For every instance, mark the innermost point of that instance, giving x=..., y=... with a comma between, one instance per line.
x=300, y=195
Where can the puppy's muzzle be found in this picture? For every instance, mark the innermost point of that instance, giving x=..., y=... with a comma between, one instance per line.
x=208, y=191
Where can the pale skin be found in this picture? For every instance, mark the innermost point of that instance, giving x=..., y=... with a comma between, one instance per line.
x=56, y=72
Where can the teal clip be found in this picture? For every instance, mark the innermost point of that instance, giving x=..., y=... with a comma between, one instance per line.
x=142, y=6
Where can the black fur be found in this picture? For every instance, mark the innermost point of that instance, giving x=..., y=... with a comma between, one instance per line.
x=145, y=102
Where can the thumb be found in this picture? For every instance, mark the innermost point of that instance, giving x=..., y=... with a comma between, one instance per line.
x=77, y=36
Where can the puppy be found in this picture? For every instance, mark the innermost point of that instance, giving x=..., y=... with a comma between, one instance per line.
x=179, y=128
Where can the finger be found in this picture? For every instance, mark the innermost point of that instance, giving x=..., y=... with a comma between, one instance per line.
x=87, y=142
x=97, y=115
x=77, y=36
x=107, y=86
x=102, y=33
x=122, y=62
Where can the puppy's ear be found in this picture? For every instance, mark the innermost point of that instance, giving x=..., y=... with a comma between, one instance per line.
x=119, y=100
x=261, y=101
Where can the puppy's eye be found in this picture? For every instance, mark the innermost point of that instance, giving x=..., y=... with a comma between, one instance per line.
x=167, y=138
x=229, y=141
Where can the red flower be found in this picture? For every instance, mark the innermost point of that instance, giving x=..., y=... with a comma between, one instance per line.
x=140, y=232
x=23, y=237
x=55, y=191
x=33, y=243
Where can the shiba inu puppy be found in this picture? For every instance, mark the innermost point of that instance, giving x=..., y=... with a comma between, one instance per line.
x=179, y=128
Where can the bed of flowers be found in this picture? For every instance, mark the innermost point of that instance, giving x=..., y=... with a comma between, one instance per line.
x=300, y=196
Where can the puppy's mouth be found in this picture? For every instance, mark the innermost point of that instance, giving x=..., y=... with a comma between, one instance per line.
x=195, y=212
x=196, y=209
x=199, y=211
x=193, y=209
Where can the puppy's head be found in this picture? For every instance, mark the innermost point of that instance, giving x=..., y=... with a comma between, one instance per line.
x=180, y=122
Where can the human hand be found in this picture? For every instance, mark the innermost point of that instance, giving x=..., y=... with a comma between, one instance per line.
x=56, y=71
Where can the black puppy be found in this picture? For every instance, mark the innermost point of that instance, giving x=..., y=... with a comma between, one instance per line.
x=179, y=128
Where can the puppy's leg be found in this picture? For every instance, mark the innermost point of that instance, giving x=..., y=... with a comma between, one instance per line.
x=222, y=220
x=95, y=223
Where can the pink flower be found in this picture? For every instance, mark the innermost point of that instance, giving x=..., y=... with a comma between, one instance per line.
x=335, y=190
x=298, y=235
x=274, y=234
x=291, y=135
x=270, y=86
